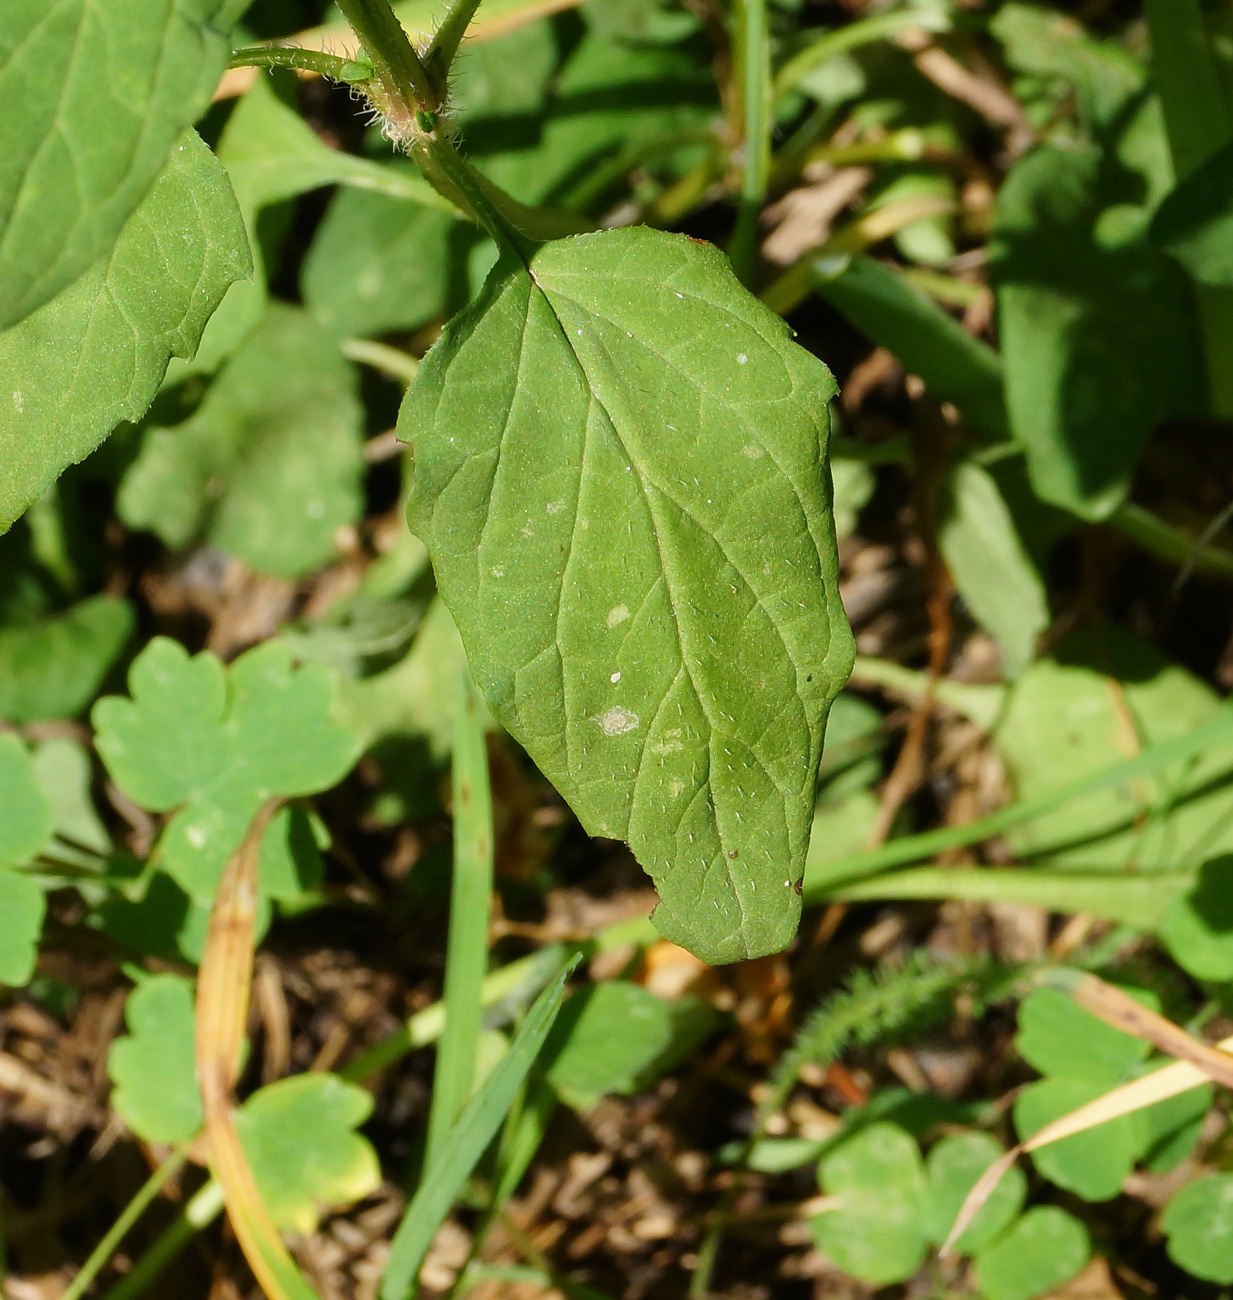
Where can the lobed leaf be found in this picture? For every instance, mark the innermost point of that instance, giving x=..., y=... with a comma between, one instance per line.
x=153, y=1067
x=214, y=744
x=96, y=353
x=93, y=94
x=25, y=810
x=621, y=479
x=53, y=668
x=1046, y=1248
x=23, y=907
x=298, y=1135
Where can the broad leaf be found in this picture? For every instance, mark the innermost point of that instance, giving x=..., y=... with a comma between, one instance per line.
x=153, y=1067
x=621, y=479
x=269, y=466
x=96, y=354
x=298, y=1135
x=214, y=744
x=1195, y=222
x=1099, y=339
x=93, y=93
x=54, y=667
x=378, y=264
x=1063, y=722
x=991, y=567
x=619, y=1037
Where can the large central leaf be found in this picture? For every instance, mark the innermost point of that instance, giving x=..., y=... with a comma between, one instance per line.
x=621, y=478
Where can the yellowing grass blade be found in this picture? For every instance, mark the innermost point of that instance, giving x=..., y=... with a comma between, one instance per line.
x=223, y=987
x=1200, y=1064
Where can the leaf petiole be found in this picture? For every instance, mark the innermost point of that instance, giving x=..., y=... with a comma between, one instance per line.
x=333, y=66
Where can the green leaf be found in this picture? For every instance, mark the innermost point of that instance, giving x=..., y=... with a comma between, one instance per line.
x=269, y=467
x=1099, y=336
x=62, y=767
x=53, y=668
x=215, y=744
x=1094, y=1164
x=1046, y=1248
x=1198, y=927
x=96, y=354
x=853, y=483
x=1195, y=222
x=1054, y=46
x=877, y=1232
x=1062, y=722
x=953, y=1166
x=1058, y=1036
x=93, y=94
x=153, y=1069
x=298, y=1135
x=25, y=810
x=1199, y=1224
x=991, y=567
x=620, y=477
x=618, y=1037
x=413, y=696
x=23, y=907
x=378, y=264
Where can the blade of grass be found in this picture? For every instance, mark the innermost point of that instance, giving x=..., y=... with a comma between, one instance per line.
x=224, y=983
x=850, y=37
x=1131, y=900
x=127, y=1217
x=466, y=958
x=468, y=1140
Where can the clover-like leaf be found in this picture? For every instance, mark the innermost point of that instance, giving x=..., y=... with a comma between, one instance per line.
x=214, y=743
x=153, y=1066
x=877, y=1232
x=1199, y=1225
x=1058, y=1037
x=621, y=479
x=25, y=810
x=96, y=353
x=92, y=95
x=953, y=1166
x=53, y=668
x=269, y=466
x=298, y=1135
x=1044, y=1249
x=22, y=908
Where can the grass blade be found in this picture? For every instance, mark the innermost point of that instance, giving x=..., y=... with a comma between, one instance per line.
x=470, y=904
x=470, y=1137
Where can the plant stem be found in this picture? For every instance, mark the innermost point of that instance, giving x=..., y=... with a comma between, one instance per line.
x=391, y=53
x=128, y=1216
x=199, y=1213
x=291, y=56
x=751, y=44
x=1163, y=539
x=1198, y=124
x=439, y=56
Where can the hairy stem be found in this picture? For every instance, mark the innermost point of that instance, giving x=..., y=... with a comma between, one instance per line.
x=291, y=56
x=391, y=53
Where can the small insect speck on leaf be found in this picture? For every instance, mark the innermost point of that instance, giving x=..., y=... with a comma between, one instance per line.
x=732, y=853
x=799, y=890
